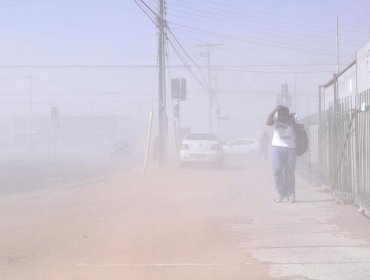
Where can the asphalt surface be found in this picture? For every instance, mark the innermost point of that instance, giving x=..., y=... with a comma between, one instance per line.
x=25, y=175
x=193, y=223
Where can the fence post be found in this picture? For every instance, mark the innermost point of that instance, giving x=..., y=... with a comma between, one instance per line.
x=319, y=144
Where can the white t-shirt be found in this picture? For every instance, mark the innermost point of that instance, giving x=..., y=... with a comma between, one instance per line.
x=283, y=134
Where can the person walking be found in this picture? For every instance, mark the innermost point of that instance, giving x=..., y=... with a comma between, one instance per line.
x=284, y=154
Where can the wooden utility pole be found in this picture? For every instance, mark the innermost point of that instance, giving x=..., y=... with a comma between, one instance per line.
x=162, y=116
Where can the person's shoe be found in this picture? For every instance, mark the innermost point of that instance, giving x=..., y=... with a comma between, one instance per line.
x=279, y=199
x=291, y=199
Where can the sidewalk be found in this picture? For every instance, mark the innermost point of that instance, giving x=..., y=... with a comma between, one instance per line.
x=196, y=223
x=314, y=238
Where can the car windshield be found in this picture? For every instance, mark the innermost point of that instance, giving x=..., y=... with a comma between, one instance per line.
x=202, y=136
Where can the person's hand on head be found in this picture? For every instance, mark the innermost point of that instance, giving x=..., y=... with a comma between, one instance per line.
x=278, y=107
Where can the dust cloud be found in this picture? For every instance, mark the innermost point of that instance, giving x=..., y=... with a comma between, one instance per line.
x=133, y=136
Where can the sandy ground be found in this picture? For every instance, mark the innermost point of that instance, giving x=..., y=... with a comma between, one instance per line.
x=194, y=223
x=25, y=175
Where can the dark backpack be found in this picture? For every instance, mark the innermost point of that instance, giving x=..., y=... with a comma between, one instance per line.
x=301, y=139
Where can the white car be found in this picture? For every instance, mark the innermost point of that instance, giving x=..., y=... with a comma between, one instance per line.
x=201, y=147
x=242, y=147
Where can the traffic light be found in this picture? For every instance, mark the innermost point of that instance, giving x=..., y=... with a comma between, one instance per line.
x=284, y=89
x=54, y=113
x=183, y=89
x=178, y=89
x=218, y=112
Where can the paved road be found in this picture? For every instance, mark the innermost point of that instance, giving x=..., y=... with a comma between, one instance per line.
x=193, y=223
x=25, y=175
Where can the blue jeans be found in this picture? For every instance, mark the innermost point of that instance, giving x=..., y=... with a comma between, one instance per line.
x=283, y=161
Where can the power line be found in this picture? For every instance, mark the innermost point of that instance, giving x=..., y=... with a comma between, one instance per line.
x=182, y=48
x=145, y=12
x=187, y=54
x=187, y=67
x=282, y=32
x=237, y=10
x=261, y=31
x=149, y=8
x=260, y=42
x=272, y=30
x=221, y=16
x=271, y=72
x=78, y=66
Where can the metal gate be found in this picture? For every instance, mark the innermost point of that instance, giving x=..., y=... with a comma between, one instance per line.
x=339, y=154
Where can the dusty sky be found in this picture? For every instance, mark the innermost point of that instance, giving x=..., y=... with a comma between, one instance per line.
x=261, y=45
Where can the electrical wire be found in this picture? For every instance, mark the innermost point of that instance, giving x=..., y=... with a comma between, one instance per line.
x=270, y=31
x=277, y=35
x=222, y=16
x=236, y=10
x=92, y=66
x=187, y=54
x=264, y=43
x=146, y=13
x=77, y=66
x=184, y=51
x=351, y=38
x=200, y=82
x=149, y=8
x=182, y=48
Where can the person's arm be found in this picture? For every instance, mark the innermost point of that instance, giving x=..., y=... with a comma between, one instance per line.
x=270, y=118
x=294, y=121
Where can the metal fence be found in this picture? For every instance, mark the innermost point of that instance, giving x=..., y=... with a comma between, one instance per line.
x=339, y=154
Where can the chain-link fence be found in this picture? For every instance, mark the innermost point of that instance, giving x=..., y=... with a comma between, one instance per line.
x=339, y=153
